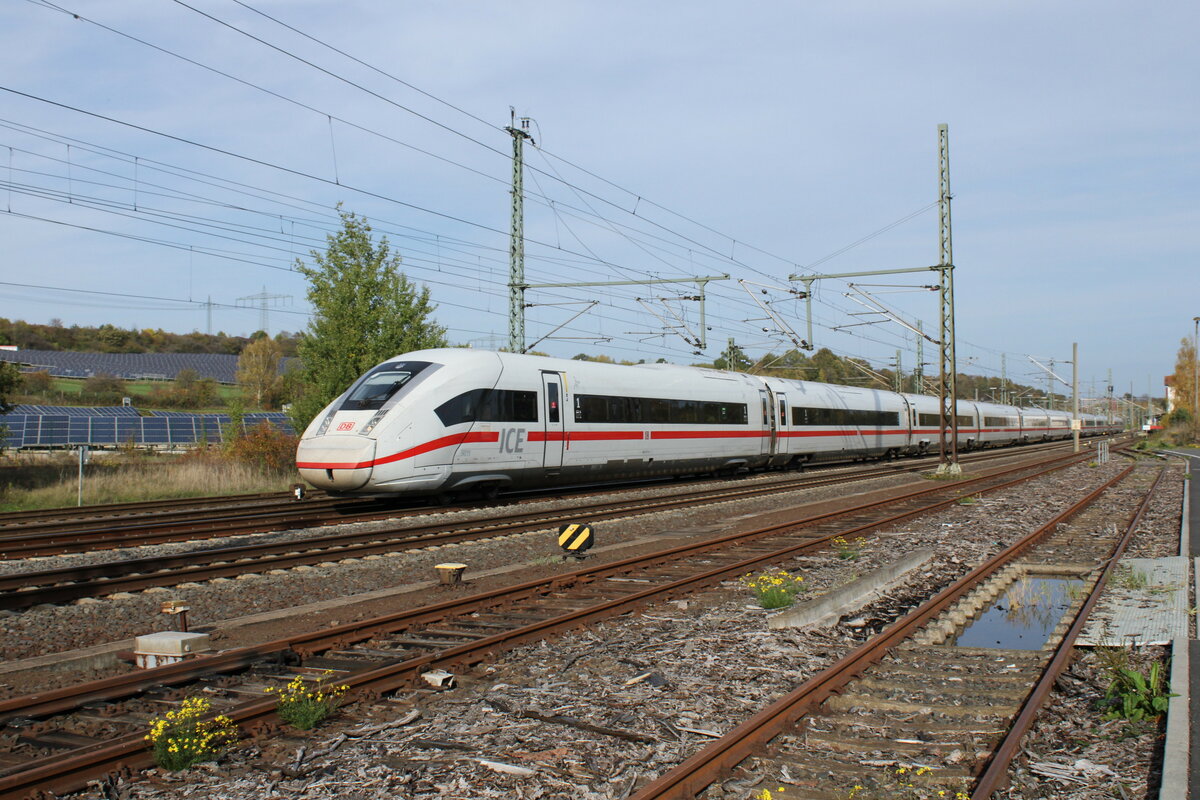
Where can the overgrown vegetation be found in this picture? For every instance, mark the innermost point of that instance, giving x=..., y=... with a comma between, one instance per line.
x=1126, y=577
x=260, y=460
x=144, y=477
x=1133, y=695
x=849, y=549
x=774, y=589
x=183, y=738
x=304, y=704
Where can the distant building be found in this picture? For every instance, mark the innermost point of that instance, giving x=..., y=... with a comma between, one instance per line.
x=1169, y=383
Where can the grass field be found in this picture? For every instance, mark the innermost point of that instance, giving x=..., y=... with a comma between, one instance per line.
x=66, y=392
x=143, y=477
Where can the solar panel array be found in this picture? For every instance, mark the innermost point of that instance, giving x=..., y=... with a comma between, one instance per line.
x=69, y=430
x=79, y=411
x=128, y=366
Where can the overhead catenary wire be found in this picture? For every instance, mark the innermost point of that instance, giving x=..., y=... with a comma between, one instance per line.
x=638, y=202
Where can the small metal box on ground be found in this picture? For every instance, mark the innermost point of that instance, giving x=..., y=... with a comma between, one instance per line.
x=450, y=574
x=169, y=647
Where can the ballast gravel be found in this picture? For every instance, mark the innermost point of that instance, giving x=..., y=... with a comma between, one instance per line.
x=598, y=712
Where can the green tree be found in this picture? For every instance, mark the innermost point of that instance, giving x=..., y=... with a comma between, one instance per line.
x=364, y=311
x=733, y=357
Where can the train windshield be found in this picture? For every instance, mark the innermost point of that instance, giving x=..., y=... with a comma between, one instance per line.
x=377, y=386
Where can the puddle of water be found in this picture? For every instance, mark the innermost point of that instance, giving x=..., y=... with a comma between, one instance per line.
x=1024, y=616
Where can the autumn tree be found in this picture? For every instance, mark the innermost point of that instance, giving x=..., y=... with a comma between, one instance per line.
x=364, y=311
x=10, y=382
x=258, y=371
x=37, y=383
x=1185, y=376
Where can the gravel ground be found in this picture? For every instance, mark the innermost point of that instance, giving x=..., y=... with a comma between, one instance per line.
x=594, y=713
x=1072, y=752
x=50, y=628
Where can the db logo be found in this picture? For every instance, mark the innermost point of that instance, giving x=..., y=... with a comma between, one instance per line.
x=346, y=426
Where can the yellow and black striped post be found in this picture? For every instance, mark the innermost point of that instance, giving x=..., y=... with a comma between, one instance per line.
x=575, y=538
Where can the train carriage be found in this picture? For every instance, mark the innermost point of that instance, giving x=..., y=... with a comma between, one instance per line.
x=999, y=424
x=819, y=421
x=444, y=420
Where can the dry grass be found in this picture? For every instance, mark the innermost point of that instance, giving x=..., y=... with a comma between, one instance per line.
x=155, y=479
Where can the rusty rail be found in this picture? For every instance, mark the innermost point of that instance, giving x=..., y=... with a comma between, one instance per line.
x=702, y=769
x=71, y=771
x=27, y=589
x=997, y=769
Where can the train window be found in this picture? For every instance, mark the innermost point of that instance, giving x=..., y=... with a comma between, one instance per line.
x=652, y=410
x=461, y=409
x=934, y=420
x=374, y=388
x=656, y=411
x=551, y=403
x=994, y=422
x=590, y=408
x=618, y=409
x=844, y=416
x=489, y=405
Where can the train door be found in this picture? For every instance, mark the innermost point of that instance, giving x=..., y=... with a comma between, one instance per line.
x=553, y=419
x=779, y=441
x=908, y=421
x=768, y=423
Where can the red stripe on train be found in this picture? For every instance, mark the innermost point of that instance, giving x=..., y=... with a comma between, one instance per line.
x=436, y=444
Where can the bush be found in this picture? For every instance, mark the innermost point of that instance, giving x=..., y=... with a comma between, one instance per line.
x=188, y=390
x=103, y=389
x=39, y=383
x=264, y=447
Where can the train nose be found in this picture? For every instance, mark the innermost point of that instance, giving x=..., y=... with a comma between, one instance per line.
x=336, y=463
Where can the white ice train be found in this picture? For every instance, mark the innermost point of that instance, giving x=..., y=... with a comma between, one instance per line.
x=456, y=420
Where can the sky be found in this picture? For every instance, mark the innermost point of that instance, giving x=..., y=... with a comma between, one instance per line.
x=156, y=155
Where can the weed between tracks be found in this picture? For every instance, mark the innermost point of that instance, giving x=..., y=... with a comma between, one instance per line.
x=1133, y=695
x=303, y=705
x=183, y=737
x=849, y=549
x=777, y=589
x=903, y=782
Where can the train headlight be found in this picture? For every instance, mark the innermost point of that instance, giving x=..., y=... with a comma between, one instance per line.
x=370, y=426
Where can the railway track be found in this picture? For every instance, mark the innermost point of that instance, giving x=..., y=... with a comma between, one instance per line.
x=51, y=532
x=910, y=701
x=56, y=741
x=27, y=589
